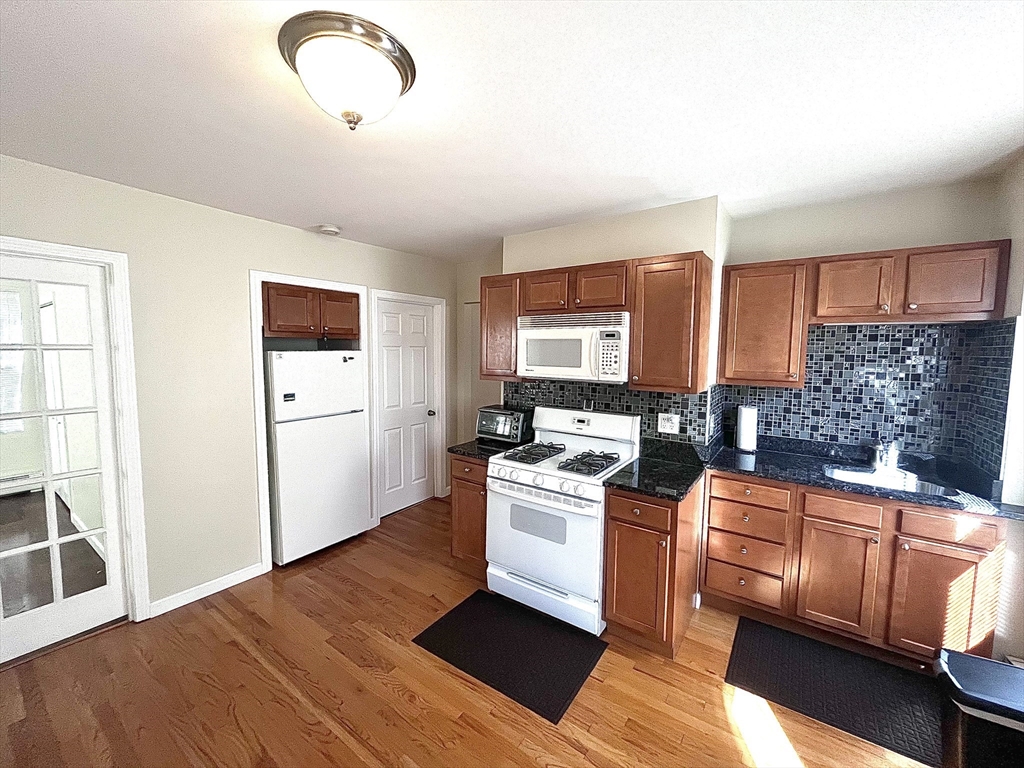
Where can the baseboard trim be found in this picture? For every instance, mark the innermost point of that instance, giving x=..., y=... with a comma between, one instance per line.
x=169, y=603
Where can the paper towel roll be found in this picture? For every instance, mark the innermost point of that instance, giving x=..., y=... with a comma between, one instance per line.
x=746, y=428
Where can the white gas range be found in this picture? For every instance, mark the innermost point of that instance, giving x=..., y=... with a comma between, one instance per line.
x=545, y=512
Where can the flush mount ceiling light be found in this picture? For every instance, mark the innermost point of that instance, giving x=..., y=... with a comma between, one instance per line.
x=354, y=70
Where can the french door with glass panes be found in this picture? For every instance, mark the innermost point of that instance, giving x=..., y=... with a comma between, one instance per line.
x=60, y=543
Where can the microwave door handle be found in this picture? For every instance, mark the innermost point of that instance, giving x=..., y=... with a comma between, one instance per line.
x=595, y=350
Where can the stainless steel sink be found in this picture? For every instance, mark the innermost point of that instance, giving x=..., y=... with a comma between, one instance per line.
x=894, y=479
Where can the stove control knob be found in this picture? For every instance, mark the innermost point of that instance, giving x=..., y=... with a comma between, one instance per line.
x=579, y=489
x=538, y=479
x=501, y=472
x=564, y=486
x=513, y=475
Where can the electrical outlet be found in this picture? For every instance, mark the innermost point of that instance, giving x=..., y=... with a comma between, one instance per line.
x=668, y=422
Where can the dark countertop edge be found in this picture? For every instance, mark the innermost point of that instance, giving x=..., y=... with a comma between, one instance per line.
x=474, y=449
x=678, y=478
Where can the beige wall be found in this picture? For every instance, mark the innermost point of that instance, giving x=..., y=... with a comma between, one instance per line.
x=952, y=213
x=189, y=270
x=1010, y=223
x=677, y=228
x=472, y=391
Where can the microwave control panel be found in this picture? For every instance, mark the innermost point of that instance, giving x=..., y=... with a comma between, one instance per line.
x=610, y=353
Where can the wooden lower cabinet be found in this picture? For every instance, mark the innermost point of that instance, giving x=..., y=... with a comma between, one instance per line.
x=909, y=579
x=469, y=511
x=838, y=574
x=650, y=578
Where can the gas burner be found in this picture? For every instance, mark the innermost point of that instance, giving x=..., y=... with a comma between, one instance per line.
x=589, y=463
x=534, y=453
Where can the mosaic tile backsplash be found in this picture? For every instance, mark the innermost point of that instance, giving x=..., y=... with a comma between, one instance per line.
x=617, y=398
x=937, y=388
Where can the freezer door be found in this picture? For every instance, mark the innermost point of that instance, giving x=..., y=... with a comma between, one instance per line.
x=320, y=484
x=307, y=384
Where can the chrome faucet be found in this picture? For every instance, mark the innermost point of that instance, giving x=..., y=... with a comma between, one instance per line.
x=886, y=456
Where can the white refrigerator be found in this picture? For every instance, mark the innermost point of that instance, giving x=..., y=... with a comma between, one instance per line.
x=319, y=450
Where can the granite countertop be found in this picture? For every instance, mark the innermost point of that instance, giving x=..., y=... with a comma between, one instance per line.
x=477, y=449
x=810, y=470
x=657, y=477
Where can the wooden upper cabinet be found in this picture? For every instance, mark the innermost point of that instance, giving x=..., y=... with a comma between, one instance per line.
x=290, y=311
x=764, y=325
x=636, y=579
x=838, y=575
x=544, y=291
x=934, y=589
x=857, y=288
x=966, y=283
x=339, y=315
x=669, y=325
x=601, y=287
x=499, y=308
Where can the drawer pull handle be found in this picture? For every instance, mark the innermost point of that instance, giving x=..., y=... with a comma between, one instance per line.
x=874, y=539
x=743, y=550
x=743, y=582
x=636, y=511
x=746, y=518
x=746, y=492
x=483, y=493
x=468, y=469
x=913, y=306
x=904, y=547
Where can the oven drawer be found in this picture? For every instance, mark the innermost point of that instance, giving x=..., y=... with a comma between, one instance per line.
x=748, y=520
x=746, y=552
x=639, y=512
x=750, y=492
x=740, y=582
x=470, y=471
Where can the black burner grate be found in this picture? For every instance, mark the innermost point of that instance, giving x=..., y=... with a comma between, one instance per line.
x=589, y=463
x=534, y=452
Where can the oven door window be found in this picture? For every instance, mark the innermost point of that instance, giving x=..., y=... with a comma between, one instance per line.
x=537, y=523
x=554, y=353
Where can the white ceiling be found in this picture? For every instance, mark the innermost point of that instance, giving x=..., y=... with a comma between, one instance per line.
x=523, y=115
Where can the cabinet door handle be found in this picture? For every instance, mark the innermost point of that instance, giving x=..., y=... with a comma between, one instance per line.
x=483, y=493
x=743, y=582
x=312, y=328
x=885, y=307
x=743, y=550
x=794, y=375
x=904, y=547
x=746, y=518
x=468, y=469
x=912, y=306
x=636, y=378
x=636, y=511
x=662, y=543
x=746, y=491
x=874, y=539
x=560, y=302
x=577, y=301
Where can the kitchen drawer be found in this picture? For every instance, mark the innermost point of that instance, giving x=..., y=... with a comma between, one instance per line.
x=741, y=582
x=866, y=515
x=750, y=493
x=748, y=520
x=639, y=512
x=470, y=471
x=746, y=552
x=965, y=530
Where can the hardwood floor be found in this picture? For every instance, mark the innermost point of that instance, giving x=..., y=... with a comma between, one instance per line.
x=312, y=665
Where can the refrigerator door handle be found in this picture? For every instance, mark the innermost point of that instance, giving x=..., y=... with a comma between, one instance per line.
x=320, y=416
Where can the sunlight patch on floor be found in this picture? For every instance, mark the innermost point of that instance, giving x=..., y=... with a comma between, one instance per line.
x=758, y=730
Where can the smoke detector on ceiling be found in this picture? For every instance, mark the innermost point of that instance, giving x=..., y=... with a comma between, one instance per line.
x=331, y=230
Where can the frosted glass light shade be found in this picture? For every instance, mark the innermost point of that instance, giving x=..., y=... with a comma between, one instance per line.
x=345, y=76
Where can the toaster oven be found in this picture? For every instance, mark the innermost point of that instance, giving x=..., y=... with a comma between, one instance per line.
x=507, y=425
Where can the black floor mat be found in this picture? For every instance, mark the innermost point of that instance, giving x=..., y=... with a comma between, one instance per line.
x=890, y=706
x=530, y=657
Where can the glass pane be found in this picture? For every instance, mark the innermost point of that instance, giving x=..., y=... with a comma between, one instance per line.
x=83, y=565
x=73, y=442
x=69, y=382
x=554, y=353
x=64, y=314
x=22, y=517
x=78, y=504
x=26, y=581
x=18, y=380
x=21, y=448
x=16, y=312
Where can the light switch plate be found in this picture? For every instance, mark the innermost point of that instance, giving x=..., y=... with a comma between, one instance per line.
x=668, y=422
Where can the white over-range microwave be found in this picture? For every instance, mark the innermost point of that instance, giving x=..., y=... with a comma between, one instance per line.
x=581, y=347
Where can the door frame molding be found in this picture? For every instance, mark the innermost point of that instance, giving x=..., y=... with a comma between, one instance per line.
x=439, y=387
x=126, y=407
x=256, y=280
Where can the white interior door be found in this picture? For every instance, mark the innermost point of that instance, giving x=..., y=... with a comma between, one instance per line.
x=60, y=544
x=405, y=423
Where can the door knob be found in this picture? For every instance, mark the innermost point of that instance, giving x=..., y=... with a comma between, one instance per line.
x=431, y=413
